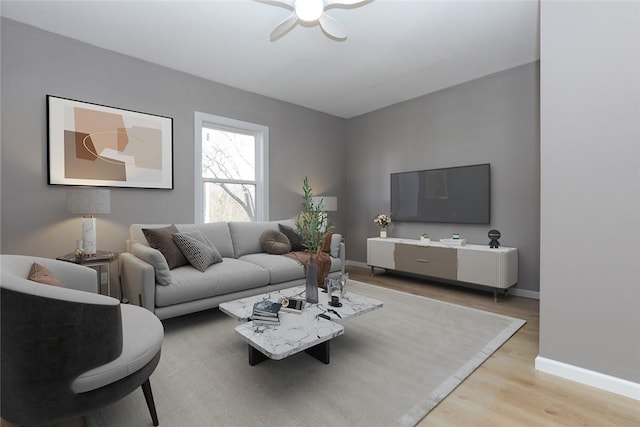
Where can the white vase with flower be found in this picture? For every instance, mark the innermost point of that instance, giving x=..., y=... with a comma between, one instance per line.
x=382, y=221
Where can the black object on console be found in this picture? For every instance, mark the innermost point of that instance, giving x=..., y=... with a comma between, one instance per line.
x=494, y=235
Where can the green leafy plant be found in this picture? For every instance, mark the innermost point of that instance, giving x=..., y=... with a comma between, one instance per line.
x=312, y=223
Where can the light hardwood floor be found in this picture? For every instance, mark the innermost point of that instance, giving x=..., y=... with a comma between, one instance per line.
x=506, y=390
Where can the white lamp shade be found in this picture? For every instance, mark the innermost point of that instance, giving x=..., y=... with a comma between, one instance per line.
x=329, y=203
x=88, y=201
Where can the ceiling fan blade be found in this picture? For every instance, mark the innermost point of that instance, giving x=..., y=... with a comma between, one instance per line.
x=332, y=27
x=331, y=3
x=289, y=4
x=284, y=27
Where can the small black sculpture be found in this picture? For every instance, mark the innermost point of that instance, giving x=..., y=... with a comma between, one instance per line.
x=494, y=235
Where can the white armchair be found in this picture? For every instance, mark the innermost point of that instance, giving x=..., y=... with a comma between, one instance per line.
x=68, y=351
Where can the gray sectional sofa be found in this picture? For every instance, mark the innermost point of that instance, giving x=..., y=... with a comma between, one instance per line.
x=246, y=269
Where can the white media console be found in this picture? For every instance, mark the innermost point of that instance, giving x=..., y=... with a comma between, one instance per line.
x=477, y=264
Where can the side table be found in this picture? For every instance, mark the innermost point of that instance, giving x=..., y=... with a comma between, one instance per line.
x=99, y=259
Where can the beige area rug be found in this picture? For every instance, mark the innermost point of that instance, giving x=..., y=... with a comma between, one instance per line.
x=391, y=367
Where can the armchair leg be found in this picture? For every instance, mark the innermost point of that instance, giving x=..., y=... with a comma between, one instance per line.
x=148, y=396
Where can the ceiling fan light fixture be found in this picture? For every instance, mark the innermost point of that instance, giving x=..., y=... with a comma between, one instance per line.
x=309, y=10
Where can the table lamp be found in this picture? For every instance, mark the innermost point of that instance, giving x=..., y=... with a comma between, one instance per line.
x=88, y=202
x=329, y=204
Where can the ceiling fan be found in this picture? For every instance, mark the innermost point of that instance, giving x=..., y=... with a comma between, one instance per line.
x=310, y=13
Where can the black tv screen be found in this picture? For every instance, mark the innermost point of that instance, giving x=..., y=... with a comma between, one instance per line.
x=460, y=195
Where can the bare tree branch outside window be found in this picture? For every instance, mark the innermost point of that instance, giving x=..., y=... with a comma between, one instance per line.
x=228, y=162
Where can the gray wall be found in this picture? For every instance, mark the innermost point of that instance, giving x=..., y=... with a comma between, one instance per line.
x=590, y=170
x=494, y=120
x=36, y=63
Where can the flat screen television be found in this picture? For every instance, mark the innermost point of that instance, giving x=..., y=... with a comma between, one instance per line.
x=458, y=195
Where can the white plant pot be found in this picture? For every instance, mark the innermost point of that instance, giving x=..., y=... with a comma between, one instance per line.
x=425, y=239
x=383, y=234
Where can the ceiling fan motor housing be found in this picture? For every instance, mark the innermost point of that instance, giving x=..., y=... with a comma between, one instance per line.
x=309, y=10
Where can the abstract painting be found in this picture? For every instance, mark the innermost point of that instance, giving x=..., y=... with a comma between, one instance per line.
x=96, y=145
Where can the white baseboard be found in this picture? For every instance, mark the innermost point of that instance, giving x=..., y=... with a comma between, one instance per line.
x=525, y=293
x=590, y=378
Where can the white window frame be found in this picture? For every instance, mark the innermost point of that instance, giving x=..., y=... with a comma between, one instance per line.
x=261, y=134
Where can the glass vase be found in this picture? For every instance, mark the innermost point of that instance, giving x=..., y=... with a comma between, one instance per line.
x=311, y=284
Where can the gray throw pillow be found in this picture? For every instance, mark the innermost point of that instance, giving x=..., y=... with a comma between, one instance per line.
x=293, y=236
x=275, y=242
x=198, y=250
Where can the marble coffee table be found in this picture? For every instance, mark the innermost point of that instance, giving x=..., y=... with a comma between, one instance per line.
x=297, y=332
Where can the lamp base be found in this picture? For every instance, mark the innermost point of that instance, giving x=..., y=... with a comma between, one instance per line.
x=89, y=235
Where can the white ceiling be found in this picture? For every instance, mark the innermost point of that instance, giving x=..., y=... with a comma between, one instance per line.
x=396, y=49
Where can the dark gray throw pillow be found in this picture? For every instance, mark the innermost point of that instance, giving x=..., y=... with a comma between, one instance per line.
x=275, y=242
x=162, y=240
x=198, y=250
x=293, y=236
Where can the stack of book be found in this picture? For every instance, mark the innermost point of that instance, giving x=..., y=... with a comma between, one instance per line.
x=266, y=313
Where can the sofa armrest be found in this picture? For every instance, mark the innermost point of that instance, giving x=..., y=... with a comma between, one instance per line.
x=138, y=281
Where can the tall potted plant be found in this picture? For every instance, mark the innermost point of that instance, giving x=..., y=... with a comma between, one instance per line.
x=312, y=225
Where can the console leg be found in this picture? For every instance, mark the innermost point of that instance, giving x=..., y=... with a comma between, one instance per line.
x=320, y=352
x=495, y=295
x=372, y=270
x=255, y=356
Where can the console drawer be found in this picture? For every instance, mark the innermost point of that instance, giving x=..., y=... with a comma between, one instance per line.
x=427, y=260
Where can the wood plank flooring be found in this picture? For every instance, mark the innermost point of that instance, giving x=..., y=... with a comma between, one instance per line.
x=506, y=390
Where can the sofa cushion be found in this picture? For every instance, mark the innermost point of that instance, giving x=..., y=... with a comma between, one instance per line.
x=274, y=242
x=246, y=236
x=281, y=268
x=217, y=233
x=293, y=236
x=231, y=275
x=41, y=274
x=162, y=240
x=156, y=259
x=198, y=250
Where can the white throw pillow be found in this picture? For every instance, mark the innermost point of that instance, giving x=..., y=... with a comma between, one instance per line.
x=156, y=259
x=334, y=248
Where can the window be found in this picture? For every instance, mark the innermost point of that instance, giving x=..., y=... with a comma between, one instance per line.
x=231, y=173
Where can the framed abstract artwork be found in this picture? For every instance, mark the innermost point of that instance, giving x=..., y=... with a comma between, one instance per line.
x=96, y=145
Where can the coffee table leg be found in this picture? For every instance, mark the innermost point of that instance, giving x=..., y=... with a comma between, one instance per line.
x=320, y=352
x=255, y=356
